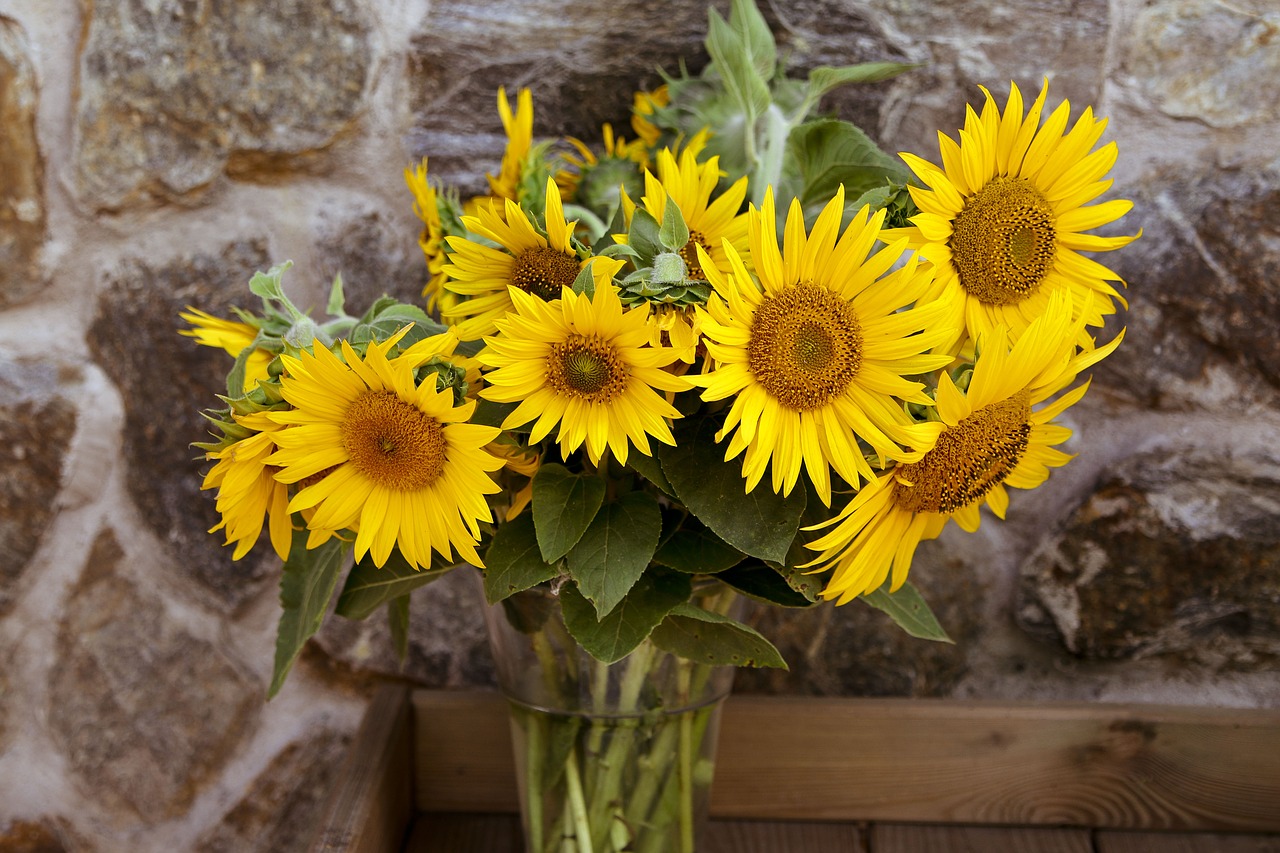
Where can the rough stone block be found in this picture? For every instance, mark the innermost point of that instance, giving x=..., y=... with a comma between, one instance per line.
x=22, y=206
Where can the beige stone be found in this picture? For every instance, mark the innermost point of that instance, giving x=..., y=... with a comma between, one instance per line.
x=22, y=204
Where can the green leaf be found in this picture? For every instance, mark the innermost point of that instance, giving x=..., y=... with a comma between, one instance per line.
x=627, y=625
x=760, y=523
x=337, y=300
x=564, y=504
x=824, y=78
x=235, y=379
x=489, y=413
x=644, y=235
x=764, y=583
x=585, y=281
x=762, y=51
x=369, y=587
x=674, y=233
x=513, y=562
x=695, y=549
x=307, y=583
x=615, y=549
x=830, y=152
x=267, y=284
x=908, y=608
x=649, y=468
x=710, y=638
x=730, y=52
x=398, y=620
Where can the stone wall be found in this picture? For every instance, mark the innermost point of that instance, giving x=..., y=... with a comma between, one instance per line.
x=155, y=154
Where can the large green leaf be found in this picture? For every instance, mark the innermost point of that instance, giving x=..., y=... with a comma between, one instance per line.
x=908, y=608
x=564, y=504
x=757, y=39
x=513, y=562
x=711, y=638
x=760, y=523
x=626, y=626
x=616, y=548
x=307, y=583
x=695, y=549
x=824, y=78
x=765, y=583
x=830, y=152
x=369, y=587
x=649, y=468
x=731, y=53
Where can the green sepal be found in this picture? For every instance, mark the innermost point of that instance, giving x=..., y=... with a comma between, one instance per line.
x=615, y=549
x=513, y=562
x=674, y=233
x=564, y=505
x=585, y=281
x=706, y=637
x=761, y=523
x=307, y=582
x=368, y=587
x=337, y=303
x=614, y=636
x=908, y=609
x=645, y=235
x=398, y=622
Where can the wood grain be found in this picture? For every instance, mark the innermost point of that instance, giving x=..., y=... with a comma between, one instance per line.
x=906, y=838
x=803, y=758
x=465, y=833
x=1192, y=842
x=370, y=808
x=761, y=836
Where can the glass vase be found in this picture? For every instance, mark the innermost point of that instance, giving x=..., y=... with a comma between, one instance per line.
x=609, y=757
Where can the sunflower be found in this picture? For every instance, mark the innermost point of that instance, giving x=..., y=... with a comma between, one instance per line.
x=994, y=437
x=248, y=492
x=1006, y=215
x=427, y=208
x=690, y=185
x=815, y=354
x=526, y=258
x=231, y=336
x=595, y=181
x=519, y=129
x=585, y=364
x=644, y=105
x=375, y=452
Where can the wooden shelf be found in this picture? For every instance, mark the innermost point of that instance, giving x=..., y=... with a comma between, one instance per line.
x=885, y=775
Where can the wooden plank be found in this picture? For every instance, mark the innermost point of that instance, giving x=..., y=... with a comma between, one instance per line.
x=765, y=836
x=1184, y=842
x=370, y=808
x=465, y=833
x=1092, y=765
x=806, y=758
x=906, y=838
x=463, y=752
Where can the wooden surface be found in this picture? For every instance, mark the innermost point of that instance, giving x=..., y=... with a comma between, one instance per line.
x=906, y=761
x=900, y=838
x=1199, y=842
x=371, y=807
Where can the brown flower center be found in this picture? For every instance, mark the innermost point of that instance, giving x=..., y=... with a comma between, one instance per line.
x=1003, y=241
x=392, y=442
x=543, y=271
x=586, y=367
x=689, y=254
x=969, y=460
x=806, y=346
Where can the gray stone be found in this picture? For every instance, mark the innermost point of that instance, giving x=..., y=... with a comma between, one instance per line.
x=1204, y=285
x=583, y=62
x=30, y=836
x=144, y=712
x=22, y=208
x=375, y=254
x=281, y=809
x=448, y=646
x=1166, y=52
x=165, y=381
x=174, y=93
x=1175, y=554
x=855, y=650
x=37, y=422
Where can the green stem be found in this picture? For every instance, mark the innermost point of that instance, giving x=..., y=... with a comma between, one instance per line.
x=686, y=763
x=536, y=740
x=577, y=804
x=614, y=762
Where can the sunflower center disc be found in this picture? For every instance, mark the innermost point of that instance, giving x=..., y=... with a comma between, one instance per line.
x=586, y=367
x=969, y=460
x=543, y=271
x=1003, y=242
x=689, y=254
x=806, y=346
x=392, y=442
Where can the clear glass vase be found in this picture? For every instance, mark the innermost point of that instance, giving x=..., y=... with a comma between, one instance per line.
x=609, y=757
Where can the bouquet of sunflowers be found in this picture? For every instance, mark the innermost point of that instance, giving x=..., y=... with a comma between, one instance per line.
x=744, y=354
